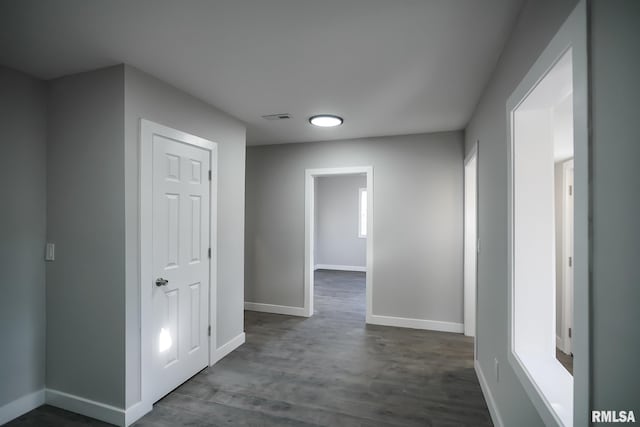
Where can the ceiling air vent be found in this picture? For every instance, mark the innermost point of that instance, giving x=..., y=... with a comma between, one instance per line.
x=277, y=116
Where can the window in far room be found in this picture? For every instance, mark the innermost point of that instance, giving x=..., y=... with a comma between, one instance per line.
x=362, y=222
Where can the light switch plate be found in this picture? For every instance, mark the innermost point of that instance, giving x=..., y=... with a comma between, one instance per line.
x=50, y=252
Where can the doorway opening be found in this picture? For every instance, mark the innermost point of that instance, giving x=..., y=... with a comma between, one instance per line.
x=338, y=231
x=547, y=117
x=542, y=134
x=340, y=244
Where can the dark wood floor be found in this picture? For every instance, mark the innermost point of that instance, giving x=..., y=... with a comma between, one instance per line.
x=328, y=370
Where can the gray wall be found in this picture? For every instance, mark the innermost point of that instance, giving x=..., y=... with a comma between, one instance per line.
x=536, y=25
x=615, y=339
x=93, y=340
x=337, y=220
x=85, y=219
x=152, y=99
x=22, y=234
x=417, y=221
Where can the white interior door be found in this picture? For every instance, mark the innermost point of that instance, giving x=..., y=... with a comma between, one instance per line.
x=568, y=245
x=470, y=243
x=180, y=285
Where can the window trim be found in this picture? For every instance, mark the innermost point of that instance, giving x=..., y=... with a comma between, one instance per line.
x=366, y=213
x=571, y=35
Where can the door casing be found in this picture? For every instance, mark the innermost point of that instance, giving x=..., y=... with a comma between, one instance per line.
x=471, y=246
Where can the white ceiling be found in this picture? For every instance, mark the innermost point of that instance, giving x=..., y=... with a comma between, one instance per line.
x=388, y=67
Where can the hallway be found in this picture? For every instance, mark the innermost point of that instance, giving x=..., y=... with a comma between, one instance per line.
x=328, y=370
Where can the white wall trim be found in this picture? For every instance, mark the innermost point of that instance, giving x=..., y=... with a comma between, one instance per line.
x=339, y=267
x=309, y=220
x=404, y=322
x=75, y=404
x=136, y=411
x=89, y=408
x=559, y=342
x=488, y=396
x=21, y=405
x=360, y=192
x=275, y=309
x=228, y=347
x=470, y=272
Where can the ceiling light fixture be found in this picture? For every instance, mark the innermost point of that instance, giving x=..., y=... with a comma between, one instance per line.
x=325, y=120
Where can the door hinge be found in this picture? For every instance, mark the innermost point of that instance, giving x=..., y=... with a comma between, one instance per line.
x=570, y=261
x=571, y=190
x=209, y=175
x=209, y=252
x=569, y=332
x=209, y=331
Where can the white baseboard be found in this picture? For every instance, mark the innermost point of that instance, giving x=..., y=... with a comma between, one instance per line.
x=90, y=408
x=403, y=322
x=228, y=347
x=72, y=403
x=491, y=403
x=276, y=309
x=559, y=342
x=136, y=411
x=339, y=267
x=20, y=406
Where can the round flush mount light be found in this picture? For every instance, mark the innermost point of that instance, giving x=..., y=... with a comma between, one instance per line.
x=326, y=120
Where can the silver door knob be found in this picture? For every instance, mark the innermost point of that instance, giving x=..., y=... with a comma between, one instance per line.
x=161, y=282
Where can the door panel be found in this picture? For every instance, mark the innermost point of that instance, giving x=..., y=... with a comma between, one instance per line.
x=194, y=294
x=196, y=229
x=169, y=328
x=181, y=212
x=171, y=206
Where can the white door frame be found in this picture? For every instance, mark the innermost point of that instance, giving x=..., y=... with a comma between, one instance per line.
x=567, y=251
x=147, y=130
x=309, y=220
x=470, y=304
